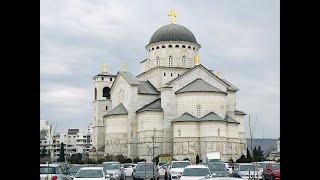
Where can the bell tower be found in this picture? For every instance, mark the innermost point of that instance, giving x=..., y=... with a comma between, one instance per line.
x=102, y=83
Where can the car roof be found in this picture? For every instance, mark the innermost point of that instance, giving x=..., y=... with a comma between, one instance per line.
x=197, y=166
x=180, y=161
x=113, y=162
x=51, y=165
x=92, y=168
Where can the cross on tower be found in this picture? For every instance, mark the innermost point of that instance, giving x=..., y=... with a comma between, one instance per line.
x=172, y=14
x=196, y=60
x=104, y=67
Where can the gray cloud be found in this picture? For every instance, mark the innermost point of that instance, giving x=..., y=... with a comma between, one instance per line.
x=240, y=38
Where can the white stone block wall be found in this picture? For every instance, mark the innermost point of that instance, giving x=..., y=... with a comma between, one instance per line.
x=176, y=53
x=186, y=147
x=232, y=130
x=149, y=120
x=211, y=128
x=186, y=129
x=208, y=101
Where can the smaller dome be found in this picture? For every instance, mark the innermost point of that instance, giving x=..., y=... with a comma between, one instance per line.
x=173, y=32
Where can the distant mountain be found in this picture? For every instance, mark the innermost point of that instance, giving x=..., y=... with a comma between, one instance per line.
x=267, y=145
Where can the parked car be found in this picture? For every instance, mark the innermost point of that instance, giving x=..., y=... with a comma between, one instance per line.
x=128, y=169
x=145, y=170
x=91, y=173
x=246, y=170
x=175, y=168
x=74, y=168
x=53, y=172
x=195, y=172
x=261, y=165
x=161, y=171
x=271, y=171
x=114, y=170
x=223, y=178
x=218, y=169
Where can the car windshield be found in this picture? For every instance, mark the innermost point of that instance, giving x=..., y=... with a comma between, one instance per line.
x=109, y=166
x=89, y=173
x=74, y=169
x=127, y=165
x=179, y=164
x=217, y=167
x=196, y=172
x=246, y=167
x=49, y=170
x=262, y=165
x=142, y=167
x=275, y=166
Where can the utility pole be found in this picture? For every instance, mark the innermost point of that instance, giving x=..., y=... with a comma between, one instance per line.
x=153, y=168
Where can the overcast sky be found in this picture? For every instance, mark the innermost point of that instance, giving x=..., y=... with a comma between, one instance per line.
x=239, y=38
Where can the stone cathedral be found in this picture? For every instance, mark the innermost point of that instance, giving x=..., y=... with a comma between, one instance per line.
x=188, y=109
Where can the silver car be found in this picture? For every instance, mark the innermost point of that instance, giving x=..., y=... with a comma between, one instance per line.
x=53, y=172
x=114, y=169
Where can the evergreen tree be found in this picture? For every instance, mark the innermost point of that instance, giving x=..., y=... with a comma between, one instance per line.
x=197, y=159
x=62, y=155
x=43, y=152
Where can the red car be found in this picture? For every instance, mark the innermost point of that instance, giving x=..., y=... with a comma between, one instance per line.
x=271, y=171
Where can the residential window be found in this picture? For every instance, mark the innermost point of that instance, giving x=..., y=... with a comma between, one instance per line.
x=158, y=61
x=170, y=61
x=184, y=61
x=198, y=110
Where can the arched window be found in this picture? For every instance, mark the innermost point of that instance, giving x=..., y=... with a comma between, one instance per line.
x=189, y=47
x=95, y=93
x=158, y=61
x=170, y=61
x=110, y=79
x=152, y=48
x=194, y=48
x=164, y=74
x=177, y=46
x=163, y=46
x=157, y=47
x=106, y=92
x=170, y=46
x=198, y=111
x=171, y=74
x=183, y=46
x=184, y=61
x=102, y=78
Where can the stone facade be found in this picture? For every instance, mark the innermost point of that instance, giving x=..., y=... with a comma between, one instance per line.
x=139, y=131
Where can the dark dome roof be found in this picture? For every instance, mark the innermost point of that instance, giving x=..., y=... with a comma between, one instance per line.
x=173, y=32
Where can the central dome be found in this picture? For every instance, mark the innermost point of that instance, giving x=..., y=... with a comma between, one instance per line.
x=173, y=32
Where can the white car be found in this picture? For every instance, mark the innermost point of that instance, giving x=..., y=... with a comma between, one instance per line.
x=195, y=172
x=248, y=170
x=91, y=173
x=175, y=168
x=224, y=178
x=128, y=169
x=53, y=171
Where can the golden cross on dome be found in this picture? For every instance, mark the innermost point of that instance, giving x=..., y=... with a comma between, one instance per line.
x=172, y=14
x=196, y=60
x=104, y=67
